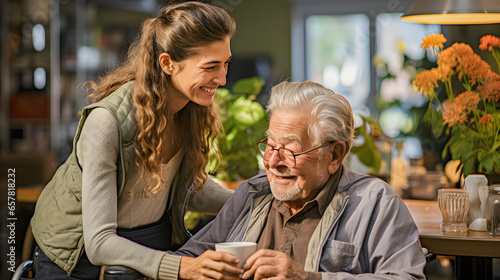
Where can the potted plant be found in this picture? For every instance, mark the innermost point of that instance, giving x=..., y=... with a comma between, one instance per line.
x=471, y=117
x=375, y=150
x=244, y=121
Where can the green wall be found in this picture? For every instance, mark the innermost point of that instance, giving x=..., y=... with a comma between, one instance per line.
x=263, y=29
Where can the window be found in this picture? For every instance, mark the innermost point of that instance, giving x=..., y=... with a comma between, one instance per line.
x=338, y=55
x=341, y=44
x=396, y=39
x=335, y=43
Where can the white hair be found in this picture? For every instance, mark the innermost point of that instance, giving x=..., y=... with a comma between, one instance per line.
x=331, y=114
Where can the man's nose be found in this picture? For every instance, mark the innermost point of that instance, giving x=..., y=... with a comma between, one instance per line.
x=275, y=160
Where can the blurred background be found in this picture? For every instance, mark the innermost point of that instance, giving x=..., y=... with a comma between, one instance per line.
x=358, y=48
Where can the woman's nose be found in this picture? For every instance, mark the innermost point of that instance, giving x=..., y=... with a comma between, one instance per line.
x=220, y=77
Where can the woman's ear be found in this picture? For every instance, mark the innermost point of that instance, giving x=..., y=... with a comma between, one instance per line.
x=166, y=63
x=337, y=154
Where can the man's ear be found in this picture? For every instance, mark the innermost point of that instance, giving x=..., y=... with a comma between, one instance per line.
x=337, y=154
x=166, y=63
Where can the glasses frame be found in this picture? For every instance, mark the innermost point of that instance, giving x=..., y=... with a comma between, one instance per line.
x=293, y=153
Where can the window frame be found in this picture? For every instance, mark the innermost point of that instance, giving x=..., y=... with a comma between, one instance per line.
x=302, y=9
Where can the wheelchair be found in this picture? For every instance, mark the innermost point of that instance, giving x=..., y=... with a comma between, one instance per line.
x=26, y=270
x=116, y=272
x=119, y=272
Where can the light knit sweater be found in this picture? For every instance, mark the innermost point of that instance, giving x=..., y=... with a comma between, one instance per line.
x=103, y=211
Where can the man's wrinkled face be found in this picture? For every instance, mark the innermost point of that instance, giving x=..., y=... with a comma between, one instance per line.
x=302, y=182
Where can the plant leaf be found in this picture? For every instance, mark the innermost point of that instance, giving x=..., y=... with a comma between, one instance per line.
x=467, y=166
x=495, y=147
x=488, y=161
x=437, y=123
x=246, y=112
x=368, y=154
x=248, y=86
x=444, y=153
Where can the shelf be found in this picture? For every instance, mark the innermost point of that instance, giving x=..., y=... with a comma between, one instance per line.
x=83, y=39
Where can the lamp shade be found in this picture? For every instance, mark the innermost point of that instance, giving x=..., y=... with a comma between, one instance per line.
x=454, y=12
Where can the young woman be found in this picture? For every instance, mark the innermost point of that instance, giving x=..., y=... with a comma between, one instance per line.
x=139, y=154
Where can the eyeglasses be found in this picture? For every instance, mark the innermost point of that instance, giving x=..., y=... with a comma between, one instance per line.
x=287, y=157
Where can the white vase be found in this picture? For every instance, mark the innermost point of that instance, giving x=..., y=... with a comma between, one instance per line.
x=477, y=187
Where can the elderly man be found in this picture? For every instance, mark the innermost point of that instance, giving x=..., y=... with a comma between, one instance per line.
x=310, y=216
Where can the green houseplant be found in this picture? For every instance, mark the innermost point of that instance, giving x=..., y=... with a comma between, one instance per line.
x=375, y=150
x=244, y=121
x=367, y=153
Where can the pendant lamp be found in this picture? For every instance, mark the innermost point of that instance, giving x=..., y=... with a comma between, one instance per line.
x=454, y=12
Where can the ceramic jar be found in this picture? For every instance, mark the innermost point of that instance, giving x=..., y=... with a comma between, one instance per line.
x=477, y=187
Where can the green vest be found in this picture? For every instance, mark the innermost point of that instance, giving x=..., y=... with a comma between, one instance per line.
x=57, y=221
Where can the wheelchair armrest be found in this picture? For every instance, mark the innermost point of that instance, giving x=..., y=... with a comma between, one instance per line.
x=23, y=267
x=118, y=272
x=430, y=256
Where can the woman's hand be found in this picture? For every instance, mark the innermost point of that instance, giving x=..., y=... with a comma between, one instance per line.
x=265, y=264
x=210, y=265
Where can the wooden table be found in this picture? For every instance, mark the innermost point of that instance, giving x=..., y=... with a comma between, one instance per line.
x=473, y=250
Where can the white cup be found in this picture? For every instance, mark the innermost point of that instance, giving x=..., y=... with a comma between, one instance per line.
x=242, y=250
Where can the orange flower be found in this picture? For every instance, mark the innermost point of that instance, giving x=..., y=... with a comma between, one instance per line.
x=445, y=71
x=490, y=91
x=461, y=57
x=464, y=103
x=476, y=69
x=427, y=80
x=433, y=41
x=461, y=49
x=474, y=111
x=485, y=119
x=452, y=56
x=448, y=57
x=488, y=42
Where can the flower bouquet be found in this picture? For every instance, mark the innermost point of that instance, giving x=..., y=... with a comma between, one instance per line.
x=471, y=117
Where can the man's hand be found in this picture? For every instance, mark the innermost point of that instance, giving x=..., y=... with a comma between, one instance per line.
x=210, y=265
x=272, y=264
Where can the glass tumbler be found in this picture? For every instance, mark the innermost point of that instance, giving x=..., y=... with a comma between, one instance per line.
x=454, y=207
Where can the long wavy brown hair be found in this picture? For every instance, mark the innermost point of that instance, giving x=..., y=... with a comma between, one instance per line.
x=180, y=30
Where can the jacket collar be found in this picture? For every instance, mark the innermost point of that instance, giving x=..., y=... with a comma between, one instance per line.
x=349, y=178
x=259, y=185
